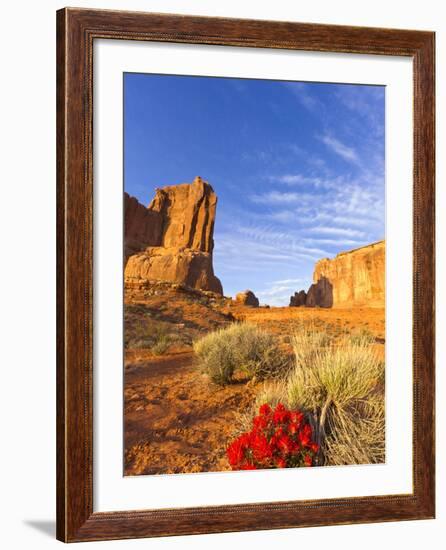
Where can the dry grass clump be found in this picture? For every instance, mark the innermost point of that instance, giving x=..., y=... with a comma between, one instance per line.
x=341, y=387
x=153, y=335
x=242, y=348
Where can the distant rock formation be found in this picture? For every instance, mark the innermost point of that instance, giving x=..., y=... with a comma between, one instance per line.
x=299, y=299
x=352, y=279
x=172, y=239
x=247, y=298
x=320, y=294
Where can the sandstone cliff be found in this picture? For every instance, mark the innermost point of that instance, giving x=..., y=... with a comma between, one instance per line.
x=172, y=239
x=351, y=279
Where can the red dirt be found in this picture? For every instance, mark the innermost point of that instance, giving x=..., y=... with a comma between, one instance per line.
x=175, y=419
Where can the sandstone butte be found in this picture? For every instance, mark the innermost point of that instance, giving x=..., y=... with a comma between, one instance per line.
x=354, y=278
x=172, y=239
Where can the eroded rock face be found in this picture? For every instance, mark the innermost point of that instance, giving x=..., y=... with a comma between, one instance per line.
x=357, y=277
x=172, y=239
x=320, y=294
x=247, y=298
x=299, y=299
x=142, y=227
x=352, y=279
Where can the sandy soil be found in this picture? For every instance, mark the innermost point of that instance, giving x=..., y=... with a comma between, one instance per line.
x=177, y=421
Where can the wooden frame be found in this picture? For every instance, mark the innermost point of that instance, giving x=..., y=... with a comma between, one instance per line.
x=76, y=31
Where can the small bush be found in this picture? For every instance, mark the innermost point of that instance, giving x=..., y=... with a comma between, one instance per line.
x=240, y=347
x=161, y=345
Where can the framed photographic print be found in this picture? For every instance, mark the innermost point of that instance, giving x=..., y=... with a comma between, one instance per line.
x=245, y=275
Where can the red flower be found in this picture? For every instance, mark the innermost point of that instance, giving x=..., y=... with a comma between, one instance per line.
x=236, y=452
x=296, y=417
x=278, y=439
x=265, y=410
x=260, y=448
x=260, y=422
x=281, y=415
x=293, y=428
x=305, y=435
x=285, y=444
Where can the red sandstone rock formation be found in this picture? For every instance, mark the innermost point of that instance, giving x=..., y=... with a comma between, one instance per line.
x=172, y=239
x=352, y=279
x=299, y=299
x=247, y=298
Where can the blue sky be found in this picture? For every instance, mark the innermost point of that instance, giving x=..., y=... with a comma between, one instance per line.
x=298, y=168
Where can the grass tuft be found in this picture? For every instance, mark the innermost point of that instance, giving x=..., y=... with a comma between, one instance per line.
x=341, y=385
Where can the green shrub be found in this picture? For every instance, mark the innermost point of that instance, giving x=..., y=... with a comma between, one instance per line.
x=243, y=348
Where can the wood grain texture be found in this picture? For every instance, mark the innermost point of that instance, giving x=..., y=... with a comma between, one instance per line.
x=76, y=31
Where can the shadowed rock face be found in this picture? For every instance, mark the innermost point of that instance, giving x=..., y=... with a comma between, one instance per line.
x=352, y=279
x=172, y=239
x=320, y=294
x=247, y=298
x=299, y=299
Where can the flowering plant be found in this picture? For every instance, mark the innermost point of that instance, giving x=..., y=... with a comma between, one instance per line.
x=280, y=438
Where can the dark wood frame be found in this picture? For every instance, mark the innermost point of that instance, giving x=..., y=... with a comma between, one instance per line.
x=76, y=31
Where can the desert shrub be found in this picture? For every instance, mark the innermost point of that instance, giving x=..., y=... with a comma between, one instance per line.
x=342, y=386
x=240, y=347
x=215, y=357
x=278, y=438
x=357, y=436
x=144, y=332
x=361, y=337
x=161, y=345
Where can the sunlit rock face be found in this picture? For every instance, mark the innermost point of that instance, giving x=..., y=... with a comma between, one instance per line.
x=353, y=278
x=172, y=239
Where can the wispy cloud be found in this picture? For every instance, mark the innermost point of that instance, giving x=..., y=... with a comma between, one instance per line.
x=341, y=231
x=302, y=94
x=289, y=281
x=288, y=197
x=276, y=197
x=299, y=180
x=289, y=241
x=365, y=102
x=339, y=241
x=347, y=153
x=278, y=293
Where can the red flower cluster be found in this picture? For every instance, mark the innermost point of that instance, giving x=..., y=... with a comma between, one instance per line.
x=279, y=438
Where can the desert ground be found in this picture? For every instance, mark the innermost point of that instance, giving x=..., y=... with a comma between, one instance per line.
x=175, y=419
